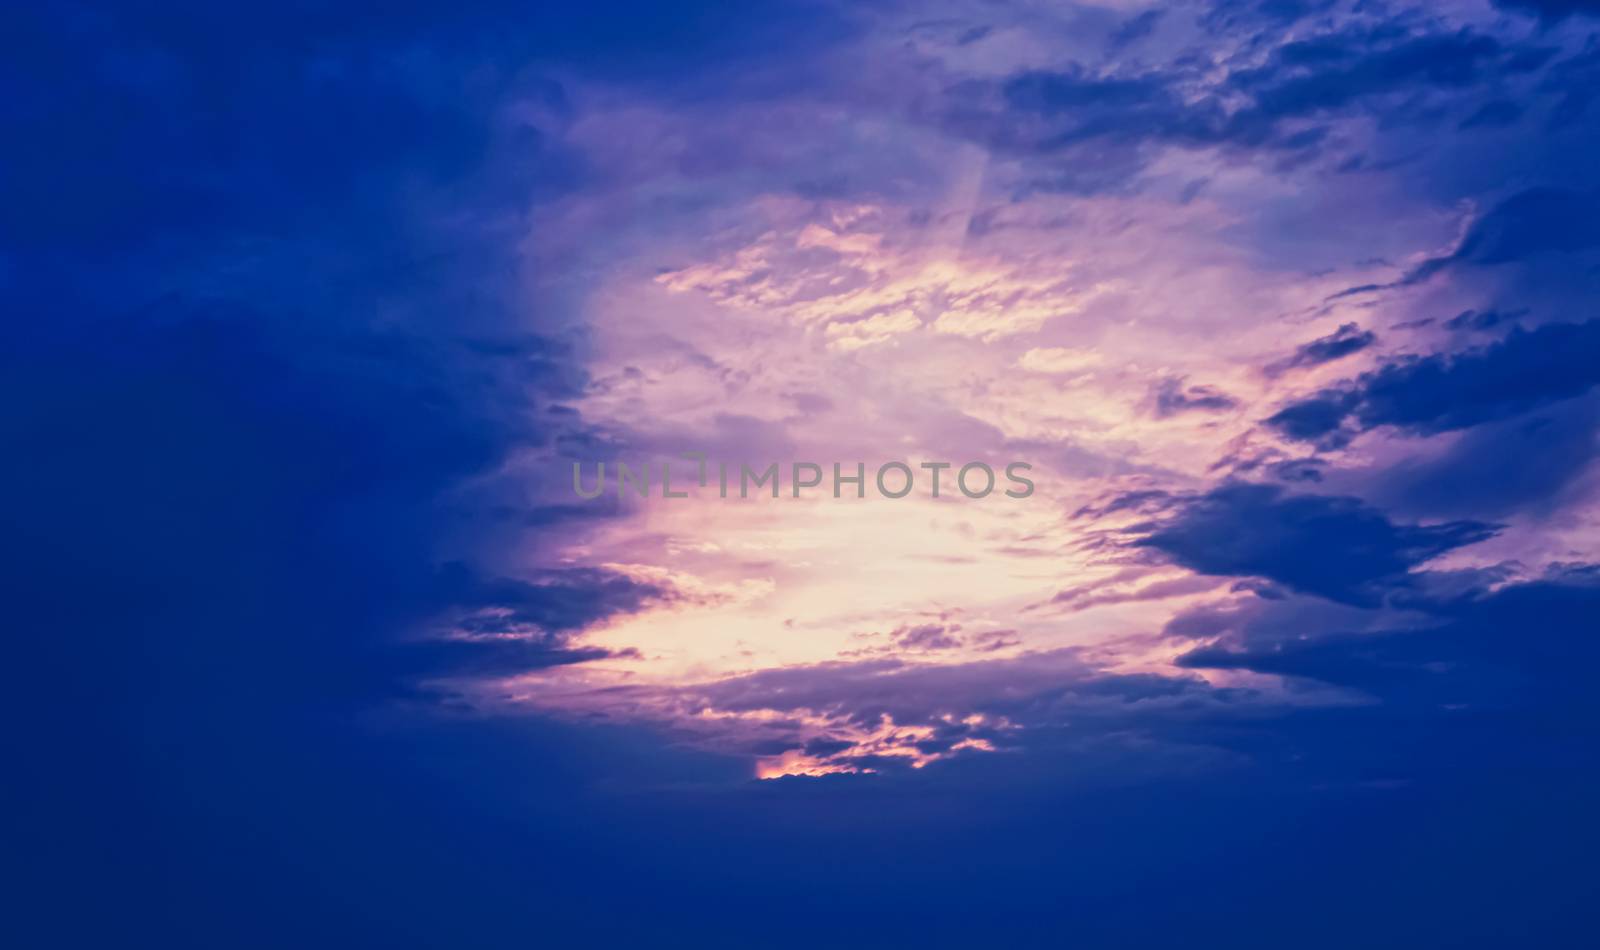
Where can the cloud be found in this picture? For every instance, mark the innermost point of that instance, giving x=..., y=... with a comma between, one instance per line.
x=292, y=387
x=1528, y=225
x=1338, y=548
x=1489, y=650
x=1172, y=398
x=927, y=636
x=494, y=628
x=1481, y=319
x=1532, y=463
x=1135, y=28
x=1536, y=221
x=1332, y=70
x=298, y=314
x=1316, y=419
x=1425, y=395
x=1111, y=117
x=869, y=331
x=1348, y=339
x=1114, y=591
x=1058, y=359
x=987, y=699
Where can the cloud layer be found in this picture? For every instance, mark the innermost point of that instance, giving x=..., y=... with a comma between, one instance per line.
x=1288, y=306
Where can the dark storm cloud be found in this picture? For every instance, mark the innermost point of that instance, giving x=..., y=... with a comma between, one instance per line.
x=552, y=600
x=1529, y=223
x=1440, y=392
x=1338, y=548
x=267, y=345
x=1532, y=463
x=211, y=462
x=495, y=627
x=1536, y=221
x=1494, y=648
x=1317, y=419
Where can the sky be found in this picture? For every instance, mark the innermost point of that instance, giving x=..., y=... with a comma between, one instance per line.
x=311, y=312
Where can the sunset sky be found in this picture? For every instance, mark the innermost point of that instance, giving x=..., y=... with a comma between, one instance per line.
x=312, y=309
